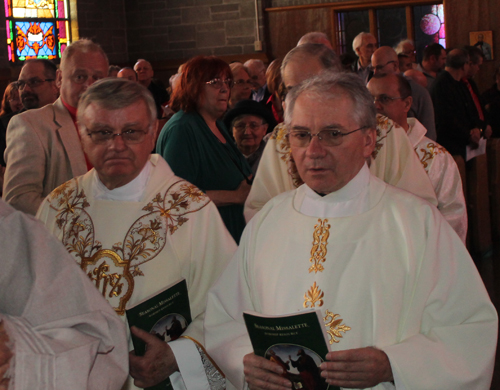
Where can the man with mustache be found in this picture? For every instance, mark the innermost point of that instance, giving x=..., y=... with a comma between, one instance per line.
x=43, y=146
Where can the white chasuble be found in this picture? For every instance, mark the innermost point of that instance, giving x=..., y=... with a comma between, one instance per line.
x=132, y=249
x=393, y=161
x=385, y=269
x=444, y=175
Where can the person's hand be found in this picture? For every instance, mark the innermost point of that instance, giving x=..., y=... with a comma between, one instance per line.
x=475, y=136
x=242, y=191
x=264, y=374
x=487, y=132
x=157, y=364
x=357, y=368
x=5, y=356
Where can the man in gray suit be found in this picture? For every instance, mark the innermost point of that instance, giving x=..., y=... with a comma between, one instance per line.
x=43, y=146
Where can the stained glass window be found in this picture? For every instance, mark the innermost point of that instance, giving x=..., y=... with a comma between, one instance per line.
x=429, y=26
x=349, y=24
x=37, y=28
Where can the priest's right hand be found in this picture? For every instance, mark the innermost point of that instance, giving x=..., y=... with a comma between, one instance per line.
x=157, y=364
x=5, y=355
x=263, y=374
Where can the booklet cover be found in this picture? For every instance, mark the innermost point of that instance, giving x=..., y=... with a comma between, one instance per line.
x=165, y=314
x=297, y=342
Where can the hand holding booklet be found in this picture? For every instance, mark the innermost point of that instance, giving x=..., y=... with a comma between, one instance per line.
x=165, y=314
x=297, y=342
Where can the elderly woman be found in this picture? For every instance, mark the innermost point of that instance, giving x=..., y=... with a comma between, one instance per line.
x=249, y=122
x=242, y=88
x=196, y=144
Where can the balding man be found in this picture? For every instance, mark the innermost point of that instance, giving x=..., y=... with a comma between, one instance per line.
x=392, y=95
x=385, y=60
x=43, y=147
x=257, y=72
x=364, y=44
x=407, y=48
x=416, y=76
x=145, y=73
x=134, y=218
x=315, y=37
x=127, y=73
x=402, y=302
x=393, y=159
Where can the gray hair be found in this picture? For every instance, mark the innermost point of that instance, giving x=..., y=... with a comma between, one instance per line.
x=330, y=85
x=115, y=94
x=358, y=40
x=314, y=37
x=83, y=45
x=399, y=47
x=327, y=57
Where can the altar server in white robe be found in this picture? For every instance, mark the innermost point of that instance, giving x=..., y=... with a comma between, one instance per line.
x=403, y=303
x=392, y=96
x=56, y=330
x=392, y=159
x=135, y=228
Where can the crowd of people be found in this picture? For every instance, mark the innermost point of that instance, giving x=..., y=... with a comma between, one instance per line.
x=313, y=182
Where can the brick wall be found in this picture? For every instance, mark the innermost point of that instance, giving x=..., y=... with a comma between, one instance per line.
x=179, y=29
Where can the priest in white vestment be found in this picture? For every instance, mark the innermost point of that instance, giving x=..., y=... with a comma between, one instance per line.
x=392, y=94
x=392, y=159
x=135, y=228
x=403, y=303
x=60, y=332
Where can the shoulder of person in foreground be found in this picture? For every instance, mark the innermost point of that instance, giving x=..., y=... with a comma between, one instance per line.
x=64, y=332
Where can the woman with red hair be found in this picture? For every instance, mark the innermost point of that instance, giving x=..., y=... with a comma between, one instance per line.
x=196, y=143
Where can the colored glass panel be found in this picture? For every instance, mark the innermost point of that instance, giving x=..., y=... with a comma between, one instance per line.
x=391, y=26
x=429, y=26
x=35, y=39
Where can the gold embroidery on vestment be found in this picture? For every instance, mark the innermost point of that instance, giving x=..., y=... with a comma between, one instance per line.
x=320, y=241
x=428, y=152
x=313, y=296
x=334, y=326
x=280, y=134
x=113, y=270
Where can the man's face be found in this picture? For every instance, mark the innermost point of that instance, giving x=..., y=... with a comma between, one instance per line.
x=382, y=91
x=116, y=161
x=440, y=61
x=144, y=71
x=80, y=72
x=409, y=50
x=368, y=46
x=41, y=92
x=128, y=74
x=405, y=64
x=324, y=168
x=474, y=68
x=257, y=76
x=242, y=86
x=383, y=65
x=300, y=68
x=248, y=131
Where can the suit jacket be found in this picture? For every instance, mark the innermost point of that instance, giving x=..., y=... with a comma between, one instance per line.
x=455, y=113
x=43, y=151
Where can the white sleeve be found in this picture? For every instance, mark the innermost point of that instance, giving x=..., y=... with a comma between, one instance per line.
x=192, y=374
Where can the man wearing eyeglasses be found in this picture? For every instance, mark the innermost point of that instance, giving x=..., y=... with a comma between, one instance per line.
x=257, y=72
x=393, y=159
x=392, y=96
x=37, y=86
x=409, y=306
x=43, y=146
x=136, y=228
x=385, y=61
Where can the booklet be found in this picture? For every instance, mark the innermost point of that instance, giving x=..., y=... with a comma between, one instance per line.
x=165, y=314
x=298, y=342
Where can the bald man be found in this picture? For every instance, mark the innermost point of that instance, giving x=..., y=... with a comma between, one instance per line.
x=384, y=61
x=315, y=37
x=416, y=76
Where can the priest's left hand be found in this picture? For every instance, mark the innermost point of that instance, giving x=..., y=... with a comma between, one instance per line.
x=157, y=364
x=357, y=368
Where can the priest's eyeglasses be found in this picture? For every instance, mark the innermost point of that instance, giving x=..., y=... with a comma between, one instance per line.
x=333, y=137
x=128, y=136
x=218, y=83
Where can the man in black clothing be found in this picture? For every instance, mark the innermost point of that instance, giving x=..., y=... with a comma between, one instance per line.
x=145, y=74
